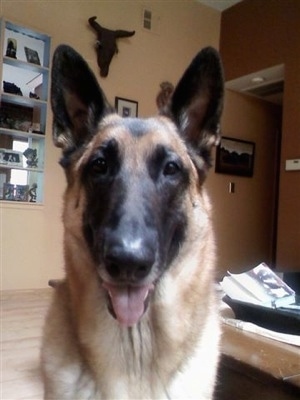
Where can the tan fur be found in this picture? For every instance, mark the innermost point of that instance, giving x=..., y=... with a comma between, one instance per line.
x=173, y=351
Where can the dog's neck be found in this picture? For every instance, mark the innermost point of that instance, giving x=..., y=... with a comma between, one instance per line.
x=151, y=348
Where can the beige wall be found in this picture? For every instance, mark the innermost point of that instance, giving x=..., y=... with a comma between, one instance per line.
x=31, y=249
x=258, y=34
x=244, y=220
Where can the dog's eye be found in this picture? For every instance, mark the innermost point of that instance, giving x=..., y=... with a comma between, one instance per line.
x=99, y=166
x=171, y=168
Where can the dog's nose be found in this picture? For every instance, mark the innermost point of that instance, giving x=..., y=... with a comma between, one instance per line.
x=129, y=259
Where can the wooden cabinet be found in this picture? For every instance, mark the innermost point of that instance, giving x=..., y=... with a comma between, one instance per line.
x=24, y=72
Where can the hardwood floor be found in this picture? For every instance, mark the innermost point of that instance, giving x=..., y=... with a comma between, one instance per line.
x=22, y=318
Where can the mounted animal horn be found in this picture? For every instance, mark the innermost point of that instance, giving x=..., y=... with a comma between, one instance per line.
x=121, y=34
x=106, y=44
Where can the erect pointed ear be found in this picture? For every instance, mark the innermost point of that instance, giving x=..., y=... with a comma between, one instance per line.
x=197, y=103
x=77, y=101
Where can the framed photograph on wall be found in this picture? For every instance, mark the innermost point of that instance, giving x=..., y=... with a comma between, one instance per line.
x=126, y=107
x=235, y=157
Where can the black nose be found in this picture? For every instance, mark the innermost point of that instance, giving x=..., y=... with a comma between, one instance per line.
x=128, y=259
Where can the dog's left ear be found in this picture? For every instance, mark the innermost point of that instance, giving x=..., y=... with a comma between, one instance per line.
x=197, y=102
x=77, y=100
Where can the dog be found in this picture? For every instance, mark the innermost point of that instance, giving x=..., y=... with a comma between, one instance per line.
x=136, y=316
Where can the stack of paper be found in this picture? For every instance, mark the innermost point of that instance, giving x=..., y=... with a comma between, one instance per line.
x=259, y=286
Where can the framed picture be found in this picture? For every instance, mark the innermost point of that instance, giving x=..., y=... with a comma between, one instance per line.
x=15, y=192
x=21, y=193
x=8, y=191
x=235, y=157
x=11, y=158
x=126, y=107
x=32, y=56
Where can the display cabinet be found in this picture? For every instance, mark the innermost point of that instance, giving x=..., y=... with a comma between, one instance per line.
x=24, y=72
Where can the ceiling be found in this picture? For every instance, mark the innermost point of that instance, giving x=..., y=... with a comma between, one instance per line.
x=267, y=84
x=220, y=5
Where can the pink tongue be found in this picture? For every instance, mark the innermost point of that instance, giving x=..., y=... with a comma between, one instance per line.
x=128, y=302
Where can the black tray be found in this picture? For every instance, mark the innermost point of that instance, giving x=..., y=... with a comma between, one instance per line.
x=276, y=319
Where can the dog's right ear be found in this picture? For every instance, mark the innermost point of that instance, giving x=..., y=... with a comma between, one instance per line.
x=196, y=106
x=77, y=100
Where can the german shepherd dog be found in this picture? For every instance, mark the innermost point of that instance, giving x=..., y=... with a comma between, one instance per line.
x=136, y=316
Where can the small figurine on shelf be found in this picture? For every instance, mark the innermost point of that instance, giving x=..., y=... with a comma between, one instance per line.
x=33, y=95
x=11, y=49
x=9, y=87
x=32, y=193
x=35, y=128
x=31, y=156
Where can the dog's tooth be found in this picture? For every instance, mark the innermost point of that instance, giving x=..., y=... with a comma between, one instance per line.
x=146, y=294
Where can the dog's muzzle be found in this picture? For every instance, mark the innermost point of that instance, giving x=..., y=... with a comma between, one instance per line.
x=129, y=262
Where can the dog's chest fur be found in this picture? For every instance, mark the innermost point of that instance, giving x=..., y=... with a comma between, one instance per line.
x=133, y=363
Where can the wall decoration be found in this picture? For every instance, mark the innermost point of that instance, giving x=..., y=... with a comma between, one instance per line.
x=164, y=95
x=106, y=44
x=235, y=157
x=126, y=107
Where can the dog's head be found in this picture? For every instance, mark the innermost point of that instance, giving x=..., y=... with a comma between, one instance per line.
x=135, y=184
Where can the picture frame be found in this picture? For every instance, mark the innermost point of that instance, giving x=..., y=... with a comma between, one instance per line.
x=21, y=193
x=13, y=192
x=8, y=191
x=11, y=158
x=32, y=56
x=126, y=108
x=235, y=157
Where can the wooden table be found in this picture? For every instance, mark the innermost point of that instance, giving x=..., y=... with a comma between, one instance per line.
x=254, y=368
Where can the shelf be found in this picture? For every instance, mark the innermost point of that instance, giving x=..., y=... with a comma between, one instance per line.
x=22, y=100
x=29, y=72
x=5, y=166
x=17, y=134
x=14, y=204
x=25, y=65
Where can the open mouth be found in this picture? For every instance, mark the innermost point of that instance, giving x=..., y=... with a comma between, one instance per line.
x=128, y=303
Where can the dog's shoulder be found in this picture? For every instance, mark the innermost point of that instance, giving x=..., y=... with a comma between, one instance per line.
x=61, y=359
x=202, y=365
